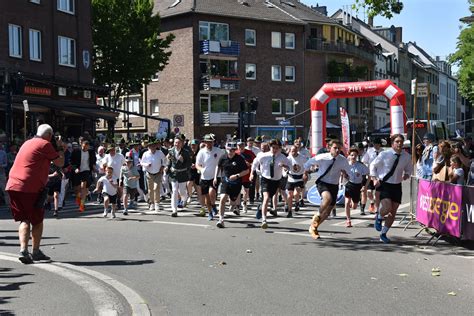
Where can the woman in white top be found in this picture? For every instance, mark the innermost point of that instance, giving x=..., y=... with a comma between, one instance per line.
x=456, y=175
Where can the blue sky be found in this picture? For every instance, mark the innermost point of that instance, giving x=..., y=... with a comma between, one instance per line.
x=433, y=24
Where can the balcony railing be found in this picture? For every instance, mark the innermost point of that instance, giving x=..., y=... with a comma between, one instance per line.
x=226, y=48
x=220, y=83
x=220, y=118
x=340, y=47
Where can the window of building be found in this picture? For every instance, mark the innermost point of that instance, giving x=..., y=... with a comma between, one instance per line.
x=62, y=91
x=250, y=37
x=289, y=40
x=215, y=103
x=35, y=45
x=155, y=77
x=290, y=106
x=135, y=105
x=250, y=71
x=213, y=31
x=66, y=6
x=67, y=51
x=276, y=106
x=35, y=1
x=276, y=39
x=154, y=107
x=290, y=73
x=276, y=73
x=15, y=40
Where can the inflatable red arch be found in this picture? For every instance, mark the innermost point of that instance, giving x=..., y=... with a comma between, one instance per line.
x=363, y=89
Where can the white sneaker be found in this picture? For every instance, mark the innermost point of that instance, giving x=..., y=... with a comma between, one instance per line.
x=188, y=201
x=105, y=213
x=244, y=207
x=157, y=207
x=151, y=207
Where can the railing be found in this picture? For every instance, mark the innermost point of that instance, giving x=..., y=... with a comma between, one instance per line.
x=210, y=118
x=319, y=44
x=219, y=83
x=229, y=48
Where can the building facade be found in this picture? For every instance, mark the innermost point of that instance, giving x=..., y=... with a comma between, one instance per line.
x=45, y=59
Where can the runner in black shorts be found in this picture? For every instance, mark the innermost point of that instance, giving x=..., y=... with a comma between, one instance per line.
x=234, y=168
x=194, y=177
x=357, y=173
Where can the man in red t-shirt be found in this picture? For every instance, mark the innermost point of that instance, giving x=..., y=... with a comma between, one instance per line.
x=249, y=156
x=27, y=180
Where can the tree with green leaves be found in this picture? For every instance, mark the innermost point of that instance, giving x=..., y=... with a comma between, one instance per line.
x=128, y=48
x=464, y=58
x=385, y=8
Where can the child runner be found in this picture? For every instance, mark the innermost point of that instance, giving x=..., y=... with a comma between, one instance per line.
x=354, y=186
x=129, y=177
x=108, y=186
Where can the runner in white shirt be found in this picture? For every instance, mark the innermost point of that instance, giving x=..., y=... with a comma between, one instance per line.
x=295, y=183
x=355, y=185
x=116, y=161
x=330, y=166
x=388, y=170
x=271, y=166
x=372, y=194
x=109, y=189
x=153, y=162
x=206, y=162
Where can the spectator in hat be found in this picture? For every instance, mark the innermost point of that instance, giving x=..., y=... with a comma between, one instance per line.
x=428, y=154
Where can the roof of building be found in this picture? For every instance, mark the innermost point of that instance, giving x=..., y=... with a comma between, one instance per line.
x=425, y=58
x=266, y=10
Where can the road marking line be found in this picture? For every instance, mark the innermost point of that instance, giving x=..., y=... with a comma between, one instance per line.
x=303, y=235
x=105, y=303
x=181, y=224
x=353, y=221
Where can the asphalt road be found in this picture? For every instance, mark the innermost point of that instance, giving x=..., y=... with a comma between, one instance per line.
x=151, y=263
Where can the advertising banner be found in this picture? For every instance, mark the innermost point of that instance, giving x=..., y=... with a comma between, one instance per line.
x=468, y=213
x=439, y=206
x=346, y=138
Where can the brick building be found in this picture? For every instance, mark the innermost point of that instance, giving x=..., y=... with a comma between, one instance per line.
x=230, y=51
x=45, y=58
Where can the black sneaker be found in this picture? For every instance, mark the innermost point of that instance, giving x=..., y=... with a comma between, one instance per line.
x=301, y=203
x=274, y=213
x=174, y=214
x=297, y=208
x=25, y=257
x=286, y=208
x=40, y=256
x=289, y=215
x=362, y=213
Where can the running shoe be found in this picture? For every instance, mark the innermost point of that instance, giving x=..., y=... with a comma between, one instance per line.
x=78, y=200
x=274, y=212
x=25, y=257
x=125, y=212
x=348, y=223
x=174, y=214
x=264, y=225
x=202, y=212
x=384, y=238
x=258, y=215
x=289, y=215
x=39, y=256
x=236, y=210
x=210, y=217
x=82, y=207
x=220, y=224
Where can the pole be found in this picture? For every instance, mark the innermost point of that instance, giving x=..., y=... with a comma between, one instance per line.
x=429, y=110
x=413, y=158
x=24, y=126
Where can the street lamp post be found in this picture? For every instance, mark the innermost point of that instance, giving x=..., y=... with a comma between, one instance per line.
x=294, y=120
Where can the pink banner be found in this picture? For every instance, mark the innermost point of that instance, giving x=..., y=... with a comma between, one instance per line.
x=346, y=138
x=439, y=206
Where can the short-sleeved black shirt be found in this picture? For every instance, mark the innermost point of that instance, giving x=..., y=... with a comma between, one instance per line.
x=233, y=165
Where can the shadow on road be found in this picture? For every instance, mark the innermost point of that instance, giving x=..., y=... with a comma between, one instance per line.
x=7, y=273
x=111, y=263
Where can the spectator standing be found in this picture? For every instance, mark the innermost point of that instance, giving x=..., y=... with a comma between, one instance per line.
x=27, y=189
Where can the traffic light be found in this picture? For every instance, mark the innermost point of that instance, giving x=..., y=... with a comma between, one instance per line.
x=242, y=104
x=253, y=104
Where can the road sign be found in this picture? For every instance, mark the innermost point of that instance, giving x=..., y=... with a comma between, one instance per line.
x=422, y=90
x=178, y=120
x=176, y=130
x=284, y=123
x=413, y=84
x=26, y=106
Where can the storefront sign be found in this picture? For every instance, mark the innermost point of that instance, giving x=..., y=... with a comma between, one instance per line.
x=468, y=213
x=37, y=90
x=439, y=206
